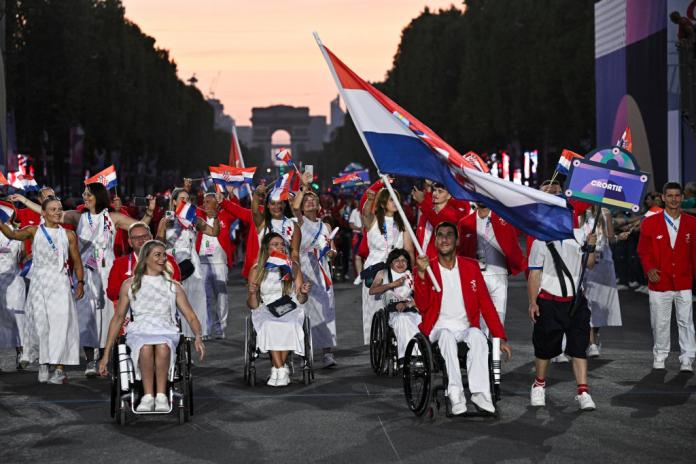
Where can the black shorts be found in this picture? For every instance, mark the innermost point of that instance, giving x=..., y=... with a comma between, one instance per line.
x=553, y=322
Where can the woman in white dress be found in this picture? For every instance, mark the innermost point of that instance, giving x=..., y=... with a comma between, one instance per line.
x=12, y=291
x=96, y=229
x=50, y=305
x=316, y=251
x=152, y=335
x=180, y=240
x=275, y=216
x=385, y=232
x=600, y=281
x=283, y=287
x=395, y=285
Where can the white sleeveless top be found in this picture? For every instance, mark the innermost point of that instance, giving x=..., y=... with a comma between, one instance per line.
x=381, y=242
x=9, y=253
x=314, y=236
x=400, y=293
x=271, y=287
x=49, y=256
x=285, y=227
x=153, y=307
x=96, y=234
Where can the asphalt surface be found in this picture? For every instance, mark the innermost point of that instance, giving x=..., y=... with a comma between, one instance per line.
x=350, y=415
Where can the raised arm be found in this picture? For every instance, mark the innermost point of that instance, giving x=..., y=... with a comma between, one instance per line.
x=296, y=204
x=124, y=222
x=35, y=207
x=368, y=217
x=295, y=243
x=205, y=228
x=256, y=200
x=25, y=233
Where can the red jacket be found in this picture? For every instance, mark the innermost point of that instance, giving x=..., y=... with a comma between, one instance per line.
x=448, y=213
x=226, y=220
x=505, y=233
x=252, y=245
x=477, y=301
x=678, y=264
x=27, y=217
x=119, y=273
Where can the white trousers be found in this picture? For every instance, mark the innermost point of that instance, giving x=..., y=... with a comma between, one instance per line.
x=215, y=282
x=405, y=326
x=476, y=359
x=497, y=286
x=661, y=320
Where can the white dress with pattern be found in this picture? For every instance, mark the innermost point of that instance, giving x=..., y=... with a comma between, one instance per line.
x=320, y=306
x=50, y=306
x=96, y=234
x=153, y=310
x=181, y=243
x=381, y=243
x=277, y=333
x=405, y=324
x=12, y=293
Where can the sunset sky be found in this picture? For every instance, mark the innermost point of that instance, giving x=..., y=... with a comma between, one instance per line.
x=260, y=53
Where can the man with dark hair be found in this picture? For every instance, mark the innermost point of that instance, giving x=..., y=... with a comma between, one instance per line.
x=555, y=310
x=453, y=315
x=667, y=250
x=434, y=205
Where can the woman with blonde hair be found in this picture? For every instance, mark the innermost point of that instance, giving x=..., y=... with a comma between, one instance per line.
x=152, y=335
x=276, y=288
x=385, y=232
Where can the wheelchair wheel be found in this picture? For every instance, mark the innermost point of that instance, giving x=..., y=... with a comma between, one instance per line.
x=308, y=368
x=249, y=353
x=115, y=387
x=418, y=374
x=189, y=380
x=186, y=402
x=378, y=342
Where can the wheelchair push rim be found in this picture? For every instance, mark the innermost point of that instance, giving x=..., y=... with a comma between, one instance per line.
x=418, y=374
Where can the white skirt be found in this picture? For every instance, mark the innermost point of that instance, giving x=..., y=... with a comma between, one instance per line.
x=405, y=327
x=136, y=341
x=279, y=333
x=600, y=291
x=370, y=305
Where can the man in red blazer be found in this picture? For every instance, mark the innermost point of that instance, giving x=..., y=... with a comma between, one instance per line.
x=492, y=241
x=435, y=205
x=216, y=255
x=453, y=315
x=667, y=250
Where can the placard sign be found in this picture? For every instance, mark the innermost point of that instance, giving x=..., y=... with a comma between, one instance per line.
x=608, y=177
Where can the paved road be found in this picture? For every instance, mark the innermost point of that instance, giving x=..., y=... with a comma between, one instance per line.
x=349, y=415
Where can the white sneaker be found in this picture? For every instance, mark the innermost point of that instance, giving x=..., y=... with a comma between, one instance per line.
x=633, y=284
x=283, y=377
x=537, y=396
x=161, y=403
x=147, y=404
x=357, y=281
x=483, y=401
x=687, y=365
x=643, y=289
x=621, y=287
x=43, y=373
x=561, y=358
x=593, y=351
x=585, y=402
x=329, y=360
x=58, y=377
x=458, y=403
x=91, y=370
x=273, y=379
x=658, y=363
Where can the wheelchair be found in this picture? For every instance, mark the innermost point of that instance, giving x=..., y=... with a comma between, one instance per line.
x=252, y=353
x=383, y=348
x=126, y=391
x=423, y=360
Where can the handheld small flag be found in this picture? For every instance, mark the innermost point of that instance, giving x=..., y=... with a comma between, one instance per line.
x=186, y=214
x=281, y=188
x=106, y=177
x=563, y=166
x=23, y=182
x=284, y=156
x=6, y=211
x=227, y=175
x=327, y=248
x=626, y=141
x=280, y=261
x=350, y=177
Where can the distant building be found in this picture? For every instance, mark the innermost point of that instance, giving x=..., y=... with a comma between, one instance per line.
x=222, y=121
x=338, y=117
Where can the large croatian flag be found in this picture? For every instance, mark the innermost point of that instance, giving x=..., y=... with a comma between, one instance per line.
x=399, y=144
x=23, y=182
x=228, y=175
x=6, y=211
x=280, y=261
x=106, y=177
x=186, y=214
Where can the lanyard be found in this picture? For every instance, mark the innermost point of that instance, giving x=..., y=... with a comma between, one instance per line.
x=669, y=221
x=282, y=229
x=49, y=239
x=316, y=235
x=386, y=236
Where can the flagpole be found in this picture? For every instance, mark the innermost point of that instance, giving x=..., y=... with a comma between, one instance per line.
x=239, y=152
x=407, y=224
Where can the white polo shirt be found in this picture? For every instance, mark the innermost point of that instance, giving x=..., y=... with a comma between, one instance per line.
x=570, y=252
x=452, y=311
